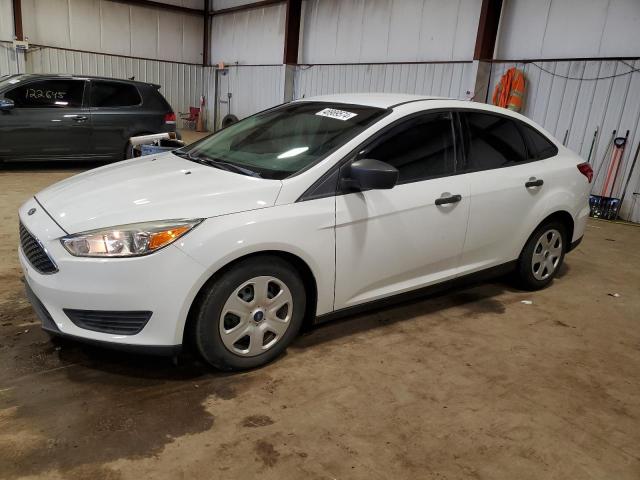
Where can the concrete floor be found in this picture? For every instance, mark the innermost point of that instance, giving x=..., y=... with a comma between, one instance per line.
x=473, y=384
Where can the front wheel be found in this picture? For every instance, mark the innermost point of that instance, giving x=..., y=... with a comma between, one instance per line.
x=250, y=314
x=542, y=256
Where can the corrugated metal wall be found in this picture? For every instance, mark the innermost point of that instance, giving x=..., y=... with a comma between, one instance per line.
x=363, y=31
x=112, y=27
x=579, y=104
x=569, y=29
x=10, y=61
x=6, y=20
x=253, y=88
x=442, y=79
x=182, y=84
x=254, y=36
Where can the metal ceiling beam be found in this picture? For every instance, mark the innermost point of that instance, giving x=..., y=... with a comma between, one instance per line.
x=487, y=29
x=247, y=6
x=17, y=19
x=292, y=32
x=161, y=6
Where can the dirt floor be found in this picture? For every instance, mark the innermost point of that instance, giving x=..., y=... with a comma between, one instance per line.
x=472, y=384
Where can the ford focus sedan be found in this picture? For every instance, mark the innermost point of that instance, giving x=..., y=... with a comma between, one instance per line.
x=303, y=212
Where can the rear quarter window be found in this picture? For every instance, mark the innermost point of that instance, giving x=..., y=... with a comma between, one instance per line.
x=153, y=99
x=113, y=95
x=539, y=146
x=492, y=141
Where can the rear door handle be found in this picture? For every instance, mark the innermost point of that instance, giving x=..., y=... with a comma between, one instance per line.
x=80, y=118
x=446, y=200
x=534, y=183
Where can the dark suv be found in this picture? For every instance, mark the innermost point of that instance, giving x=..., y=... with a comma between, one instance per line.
x=65, y=117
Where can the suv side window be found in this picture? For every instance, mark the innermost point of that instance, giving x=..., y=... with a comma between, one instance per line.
x=51, y=93
x=420, y=148
x=539, y=146
x=492, y=141
x=114, y=94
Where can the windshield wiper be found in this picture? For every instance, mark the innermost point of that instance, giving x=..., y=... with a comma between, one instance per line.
x=228, y=166
x=217, y=163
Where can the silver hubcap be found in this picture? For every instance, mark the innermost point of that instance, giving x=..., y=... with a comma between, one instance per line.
x=256, y=316
x=546, y=255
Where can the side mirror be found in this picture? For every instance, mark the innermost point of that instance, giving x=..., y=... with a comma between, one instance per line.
x=6, y=104
x=369, y=174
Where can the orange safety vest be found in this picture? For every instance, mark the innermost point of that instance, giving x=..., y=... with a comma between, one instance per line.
x=509, y=93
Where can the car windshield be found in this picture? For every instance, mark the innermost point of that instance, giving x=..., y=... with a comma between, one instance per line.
x=282, y=141
x=8, y=80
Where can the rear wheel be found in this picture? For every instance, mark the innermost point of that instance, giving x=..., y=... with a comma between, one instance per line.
x=250, y=314
x=542, y=256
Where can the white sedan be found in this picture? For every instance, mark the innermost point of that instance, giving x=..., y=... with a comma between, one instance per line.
x=303, y=212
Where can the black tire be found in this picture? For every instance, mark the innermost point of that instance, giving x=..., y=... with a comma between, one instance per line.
x=206, y=333
x=526, y=277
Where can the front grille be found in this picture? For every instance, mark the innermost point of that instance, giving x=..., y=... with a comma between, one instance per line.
x=35, y=253
x=115, y=322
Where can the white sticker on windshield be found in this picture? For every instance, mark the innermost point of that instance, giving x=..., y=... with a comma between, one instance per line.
x=337, y=114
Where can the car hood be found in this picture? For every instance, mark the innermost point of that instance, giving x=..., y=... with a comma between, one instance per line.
x=158, y=187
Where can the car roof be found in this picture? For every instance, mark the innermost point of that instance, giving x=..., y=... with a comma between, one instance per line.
x=379, y=100
x=33, y=76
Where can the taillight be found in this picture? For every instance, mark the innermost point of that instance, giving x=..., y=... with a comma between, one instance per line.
x=586, y=170
x=170, y=118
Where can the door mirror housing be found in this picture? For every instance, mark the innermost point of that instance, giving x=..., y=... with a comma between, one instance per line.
x=6, y=104
x=370, y=174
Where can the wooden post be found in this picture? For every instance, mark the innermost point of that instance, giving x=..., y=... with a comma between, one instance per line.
x=291, y=43
x=487, y=29
x=17, y=19
x=206, y=40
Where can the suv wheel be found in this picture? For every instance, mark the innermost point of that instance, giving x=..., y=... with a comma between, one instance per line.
x=542, y=256
x=250, y=314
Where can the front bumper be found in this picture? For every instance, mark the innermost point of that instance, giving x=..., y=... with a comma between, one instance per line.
x=164, y=283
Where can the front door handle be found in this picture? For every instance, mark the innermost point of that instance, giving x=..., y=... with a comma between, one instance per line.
x=446, y=200
x=534, y=183
x=80, y=118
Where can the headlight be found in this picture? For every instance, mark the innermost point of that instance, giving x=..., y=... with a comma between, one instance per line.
x=127, y=240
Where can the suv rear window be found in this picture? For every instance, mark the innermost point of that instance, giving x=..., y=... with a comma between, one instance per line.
x=114, y=94
x=52, y=93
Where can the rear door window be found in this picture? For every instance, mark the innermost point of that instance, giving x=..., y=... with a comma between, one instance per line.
x=421, y=148
x=52, y=93
x=492, y=141
x=113, y=95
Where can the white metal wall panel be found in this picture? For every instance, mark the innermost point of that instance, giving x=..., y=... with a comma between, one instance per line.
x=254, y=36
x=580, y=104
x=6, y=20
x=170, y=41
x=451, y=80
x=253, y=88
x=115, y=31
x=10, y=61
x=372, y=31
x=144, y=35
x=182, y=84
x=569, y=29
x=84, y=19
x=115, y=28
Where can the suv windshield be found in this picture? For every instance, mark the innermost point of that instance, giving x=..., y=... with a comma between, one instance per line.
x=280, y=142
